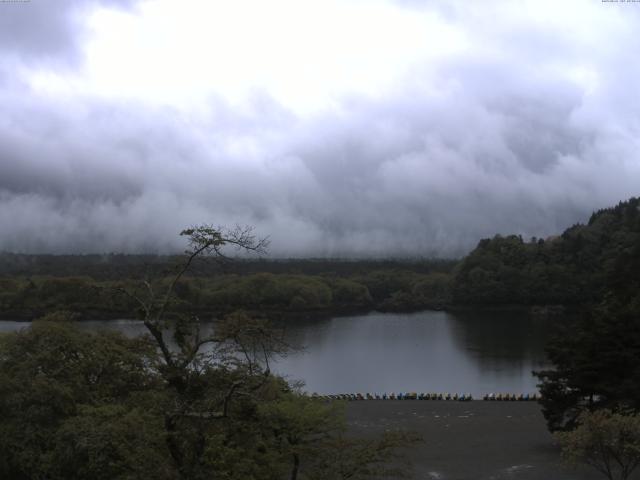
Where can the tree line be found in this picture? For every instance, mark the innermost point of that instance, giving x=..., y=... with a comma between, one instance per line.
x=28, y=297
x=571, y=269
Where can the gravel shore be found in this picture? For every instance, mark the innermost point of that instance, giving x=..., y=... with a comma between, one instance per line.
x=475, y=440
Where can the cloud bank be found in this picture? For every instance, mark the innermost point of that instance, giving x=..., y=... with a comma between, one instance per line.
x=527, y=124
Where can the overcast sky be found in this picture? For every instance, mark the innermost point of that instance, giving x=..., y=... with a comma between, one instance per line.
x=336, y=127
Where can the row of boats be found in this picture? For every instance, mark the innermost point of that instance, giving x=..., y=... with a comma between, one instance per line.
x=460, y=397
x=512, y=397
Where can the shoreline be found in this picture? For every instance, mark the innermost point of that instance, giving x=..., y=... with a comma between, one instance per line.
x=283, y=315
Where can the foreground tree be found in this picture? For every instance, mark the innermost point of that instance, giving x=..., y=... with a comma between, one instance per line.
x=213, y=395
x=76, y=405
x=596, y=360
x=607, y=441
x=179, y=403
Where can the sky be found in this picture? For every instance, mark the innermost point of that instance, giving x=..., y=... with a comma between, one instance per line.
x=338, y=128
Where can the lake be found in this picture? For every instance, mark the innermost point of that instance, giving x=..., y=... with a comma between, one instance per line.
x=428, y=351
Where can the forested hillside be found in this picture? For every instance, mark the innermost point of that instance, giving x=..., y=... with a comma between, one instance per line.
x=596, y=355
x=579, y=265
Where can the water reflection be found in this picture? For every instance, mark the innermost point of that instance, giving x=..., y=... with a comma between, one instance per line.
x=494, y=338
x=471, y=352
x=426, y=351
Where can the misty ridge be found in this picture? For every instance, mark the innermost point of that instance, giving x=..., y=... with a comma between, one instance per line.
x=511, y=133
x=543, y=276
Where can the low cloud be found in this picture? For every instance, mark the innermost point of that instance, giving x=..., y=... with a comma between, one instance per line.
x=506, y=137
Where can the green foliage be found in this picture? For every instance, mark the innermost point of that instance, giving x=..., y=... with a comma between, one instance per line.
x=349, y=293
x=607, y=441
x=302, y=427
x=402, y=290
x=283, y=292
x=433, y=289
x=110, y=442
x=48, y=374
x=119, y=267
x=11, y=289
x=596, y=360
x=579, y=266
x=506, y=270
x=60, y=316
x=78, y=405
x=384, y=283
x=596, y=355
x=261, y=292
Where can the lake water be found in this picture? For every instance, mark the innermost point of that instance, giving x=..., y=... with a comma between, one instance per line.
x=428, y=351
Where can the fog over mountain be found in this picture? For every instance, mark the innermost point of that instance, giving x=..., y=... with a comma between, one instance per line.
x=338, y=128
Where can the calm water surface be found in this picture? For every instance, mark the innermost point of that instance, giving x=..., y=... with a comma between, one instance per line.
x=429, y=351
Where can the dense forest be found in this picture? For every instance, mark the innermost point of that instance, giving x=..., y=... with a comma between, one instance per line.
x=578, y=266
x=595, y=353
x=88, y=285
